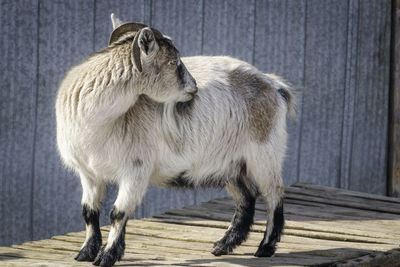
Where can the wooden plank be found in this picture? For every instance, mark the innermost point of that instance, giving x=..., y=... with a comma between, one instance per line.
x=126, y=10
x=362, y=205
x=65, y=39
x=338, y=227
x=40, y=255
x=279, y=48
x=322, y=107
x=368, y=165
x=340, y=193
x=350, y=199
x=46, y=249
x=315, y=208
x=18, y=75
x=325, y=211
x=394, y=107
x=390, y=258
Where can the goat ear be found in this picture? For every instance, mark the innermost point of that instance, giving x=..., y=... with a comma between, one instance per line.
x=147, y=41
x=116, y=22
x=144, y=41
x=136, y=52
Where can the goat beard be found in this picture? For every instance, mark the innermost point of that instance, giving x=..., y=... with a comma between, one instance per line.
x=170, y=126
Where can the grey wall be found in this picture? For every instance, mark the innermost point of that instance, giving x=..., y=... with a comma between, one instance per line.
x=336, y=52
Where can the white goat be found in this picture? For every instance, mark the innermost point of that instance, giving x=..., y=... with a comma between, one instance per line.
x=131, y=114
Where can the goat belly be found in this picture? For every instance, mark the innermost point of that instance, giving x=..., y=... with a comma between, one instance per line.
x=183, y=181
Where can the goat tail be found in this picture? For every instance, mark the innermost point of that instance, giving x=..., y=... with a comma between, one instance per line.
x=289, y=96
x=286, y=91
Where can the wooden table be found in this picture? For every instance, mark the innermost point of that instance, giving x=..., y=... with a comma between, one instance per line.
x=324, y=226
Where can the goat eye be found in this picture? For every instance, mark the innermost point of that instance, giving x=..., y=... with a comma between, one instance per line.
x=172, y=62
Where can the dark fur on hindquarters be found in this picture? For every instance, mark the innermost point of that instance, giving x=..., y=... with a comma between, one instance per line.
x=267, y=250
x=241, y=222
x=92, y=247
x=108, y=257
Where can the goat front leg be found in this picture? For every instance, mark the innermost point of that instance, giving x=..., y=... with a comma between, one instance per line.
x=130, y=193
x=92, y=194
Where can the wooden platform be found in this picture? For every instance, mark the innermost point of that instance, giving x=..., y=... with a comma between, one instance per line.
x=324, y=226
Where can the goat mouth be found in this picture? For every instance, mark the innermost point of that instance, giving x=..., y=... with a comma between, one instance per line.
x=187, y=97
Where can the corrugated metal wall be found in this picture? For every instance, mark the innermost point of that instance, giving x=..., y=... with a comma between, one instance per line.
x=337, y=51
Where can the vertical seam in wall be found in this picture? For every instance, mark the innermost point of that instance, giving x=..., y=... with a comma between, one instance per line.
x=94, y=24
x=254, y=31
x=355, y=94
x=353, y=107
x=391, y=107
x=34, y=121
x=340, y=184
x=202, y=25
x=302, y=93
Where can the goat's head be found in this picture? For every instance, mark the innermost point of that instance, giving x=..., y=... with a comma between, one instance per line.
x=164, y=76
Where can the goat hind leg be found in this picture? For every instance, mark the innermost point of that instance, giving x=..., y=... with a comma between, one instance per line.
x=244, y=196
x=275, y=223
x=92, y=194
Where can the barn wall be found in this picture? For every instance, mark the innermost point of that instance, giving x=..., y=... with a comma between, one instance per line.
x=336, y=52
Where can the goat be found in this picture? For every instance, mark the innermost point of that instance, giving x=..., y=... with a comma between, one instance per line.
x=136, y=113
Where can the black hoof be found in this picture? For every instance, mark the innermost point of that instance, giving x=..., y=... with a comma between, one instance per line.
x=218, y=251
x=265, y=251
x=83, y=256
x=107, y=258
x=221, y=249
x=219, y=243
x=89, y=252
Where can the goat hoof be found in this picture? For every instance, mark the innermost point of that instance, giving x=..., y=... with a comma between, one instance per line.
x=107, y=258
x=219, y=250
x=218, y=243
x=99, y=257
x=89, y=251
x=85, y=255
x=265, y=251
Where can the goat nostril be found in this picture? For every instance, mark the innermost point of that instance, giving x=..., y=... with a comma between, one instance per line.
x=191, y=91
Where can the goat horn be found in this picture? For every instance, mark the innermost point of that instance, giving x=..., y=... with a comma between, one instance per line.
x=124, y=28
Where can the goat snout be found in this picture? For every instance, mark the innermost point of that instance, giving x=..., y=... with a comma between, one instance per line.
x=191, y=85
x=191, y=90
